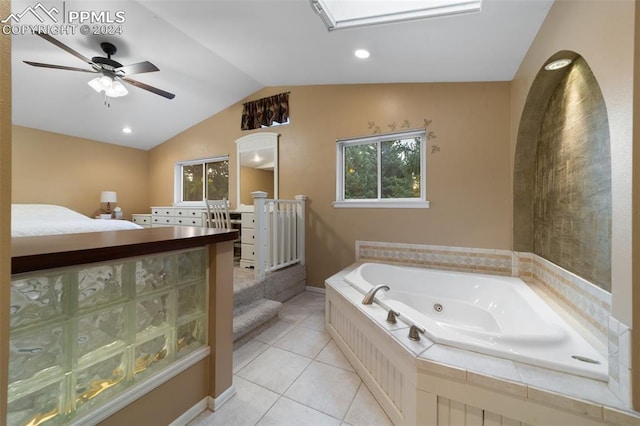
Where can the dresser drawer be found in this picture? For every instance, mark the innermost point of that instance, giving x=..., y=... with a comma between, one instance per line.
x=188, y=221
x=163, y=220
x=195, y=212
x=162, y=211
x=141, y=219
x=247, y=236
x=248, y=220
x=247, y=252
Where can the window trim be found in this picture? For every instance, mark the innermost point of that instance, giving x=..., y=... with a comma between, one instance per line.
x=177, y=180
x=381, y=202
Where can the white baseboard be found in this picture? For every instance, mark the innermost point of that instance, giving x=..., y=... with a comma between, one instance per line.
x=315, y=289
x=207, y=403
x=216, y=403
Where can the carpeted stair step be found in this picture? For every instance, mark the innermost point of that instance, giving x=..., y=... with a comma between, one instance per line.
x=250, y=319
x=245, y=289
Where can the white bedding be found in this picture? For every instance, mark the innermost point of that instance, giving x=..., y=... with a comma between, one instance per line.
x=28, y=220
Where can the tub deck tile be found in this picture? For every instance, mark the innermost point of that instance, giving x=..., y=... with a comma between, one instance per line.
x=497, y=384
x=447, y=371
x=568, y=386
x=416, y=348
x=481, y=364
x=572, y=404
x=618, y=417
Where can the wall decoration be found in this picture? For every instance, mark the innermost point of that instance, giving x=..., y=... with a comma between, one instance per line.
x=406, y=124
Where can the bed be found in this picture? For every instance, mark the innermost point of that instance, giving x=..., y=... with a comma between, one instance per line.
x=28, y=220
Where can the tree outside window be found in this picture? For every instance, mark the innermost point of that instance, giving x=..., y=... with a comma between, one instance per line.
x=203, y=179
x=381, y=169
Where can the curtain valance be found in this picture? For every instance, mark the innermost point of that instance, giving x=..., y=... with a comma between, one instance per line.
x=265, y=111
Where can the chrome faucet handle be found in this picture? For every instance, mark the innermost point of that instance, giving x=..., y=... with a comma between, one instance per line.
x=392, y=315
x=414, y=332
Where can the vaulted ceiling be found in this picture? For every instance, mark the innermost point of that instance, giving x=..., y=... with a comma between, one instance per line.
x=212, y=54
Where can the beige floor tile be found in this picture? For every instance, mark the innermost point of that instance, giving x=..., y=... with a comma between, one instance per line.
x=315, y=321
x=326, y=388
x=300, y=307
x=332, y=355
x=247, y=353
x=276, y=331
x=294, y=313
x=279, y=361
x=365, y=410
x=287, y=412
x=275, y=369
x=308, y=299
x=303, y=341
x=246, y=407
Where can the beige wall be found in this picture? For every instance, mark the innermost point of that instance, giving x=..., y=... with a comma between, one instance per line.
x=468, y=180
x=254, y=180
x=52, y=168
x=166, y=402
x=5, y=207
x=635, y=337
x=602, y=32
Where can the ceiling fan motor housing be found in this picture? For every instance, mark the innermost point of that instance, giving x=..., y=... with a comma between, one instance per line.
x=107, y=63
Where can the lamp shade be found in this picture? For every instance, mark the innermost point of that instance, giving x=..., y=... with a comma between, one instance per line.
x=108, y=197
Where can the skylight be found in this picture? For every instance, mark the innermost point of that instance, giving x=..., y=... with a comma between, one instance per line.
x=338, y=14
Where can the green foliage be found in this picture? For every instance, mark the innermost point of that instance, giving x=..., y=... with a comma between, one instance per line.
x=399, y=165
x=217, y=182
x=361, y=172
x=400, y=168
x=192, y=182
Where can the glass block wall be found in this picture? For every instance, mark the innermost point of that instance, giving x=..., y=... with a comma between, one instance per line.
x=81, y=335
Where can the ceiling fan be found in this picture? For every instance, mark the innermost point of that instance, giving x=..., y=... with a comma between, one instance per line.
x=112, y=71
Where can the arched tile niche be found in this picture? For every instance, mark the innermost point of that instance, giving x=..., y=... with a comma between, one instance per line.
x=562, y=172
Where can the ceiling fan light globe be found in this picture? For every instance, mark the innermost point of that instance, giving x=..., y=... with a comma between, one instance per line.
x=106, y=82
x=116, y=90
x=95, y=84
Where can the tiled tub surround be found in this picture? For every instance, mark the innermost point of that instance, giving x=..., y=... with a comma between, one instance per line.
x=426, y=383
x=582, y=303
x=83, y=336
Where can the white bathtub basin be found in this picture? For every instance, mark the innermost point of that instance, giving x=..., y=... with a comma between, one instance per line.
x=495, y=315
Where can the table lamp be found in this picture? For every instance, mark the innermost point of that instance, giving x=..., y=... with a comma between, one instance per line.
x=108, y=197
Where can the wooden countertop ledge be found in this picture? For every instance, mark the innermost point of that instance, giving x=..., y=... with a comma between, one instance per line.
x=54, y=251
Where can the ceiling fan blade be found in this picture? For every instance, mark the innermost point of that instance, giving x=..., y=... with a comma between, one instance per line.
x=64, y=47
x=139, y=68
x=149, y=88
x=58, y=67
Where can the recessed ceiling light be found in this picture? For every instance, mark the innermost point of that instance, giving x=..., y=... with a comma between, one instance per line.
x=557, y=64
x=126, y=130
x=361, y=53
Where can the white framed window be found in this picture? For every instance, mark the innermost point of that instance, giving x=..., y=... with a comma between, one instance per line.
x=385, y=170
x=196, y=180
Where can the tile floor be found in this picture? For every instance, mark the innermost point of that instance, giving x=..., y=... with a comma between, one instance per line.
x=294, y=374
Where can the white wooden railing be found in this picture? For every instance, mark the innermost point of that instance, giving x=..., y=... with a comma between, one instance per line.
x=279, y=233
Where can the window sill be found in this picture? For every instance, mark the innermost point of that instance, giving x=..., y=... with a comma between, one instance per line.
x=381, y=204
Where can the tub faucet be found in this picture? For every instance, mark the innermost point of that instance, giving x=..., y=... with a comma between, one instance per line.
x=368, y=298
x=414, y=332
x=391, y=316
